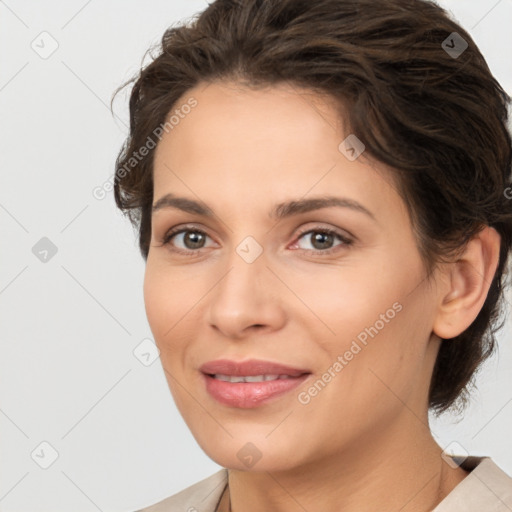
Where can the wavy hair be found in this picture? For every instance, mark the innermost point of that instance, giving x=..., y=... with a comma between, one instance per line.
x=437, y=119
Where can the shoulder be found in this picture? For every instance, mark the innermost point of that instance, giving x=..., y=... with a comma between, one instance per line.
x=203, y=496
x=487, y=487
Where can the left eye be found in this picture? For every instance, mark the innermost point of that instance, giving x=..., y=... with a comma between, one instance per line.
x=322, y=239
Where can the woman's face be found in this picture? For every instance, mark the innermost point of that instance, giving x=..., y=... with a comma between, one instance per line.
x=253, y=275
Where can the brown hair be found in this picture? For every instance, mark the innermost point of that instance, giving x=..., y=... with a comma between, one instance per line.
x=438, y=119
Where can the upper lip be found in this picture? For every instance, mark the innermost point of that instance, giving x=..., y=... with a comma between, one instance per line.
x=250, y=367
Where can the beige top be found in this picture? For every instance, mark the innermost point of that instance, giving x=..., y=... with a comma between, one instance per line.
x=487, y=488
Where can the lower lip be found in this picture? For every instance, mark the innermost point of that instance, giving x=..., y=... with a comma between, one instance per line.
x=247, y=395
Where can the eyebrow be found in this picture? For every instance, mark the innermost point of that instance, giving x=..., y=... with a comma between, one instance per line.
x=280, y=211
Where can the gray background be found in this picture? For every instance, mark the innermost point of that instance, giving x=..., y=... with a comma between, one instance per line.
x=70, y=324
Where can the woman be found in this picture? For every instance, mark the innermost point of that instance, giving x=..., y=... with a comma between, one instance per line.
x=320, y=192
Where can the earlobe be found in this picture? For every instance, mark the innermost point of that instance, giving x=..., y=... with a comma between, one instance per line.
x=467, y=284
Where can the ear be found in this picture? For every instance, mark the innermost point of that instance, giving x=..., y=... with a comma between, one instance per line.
x=466, y=284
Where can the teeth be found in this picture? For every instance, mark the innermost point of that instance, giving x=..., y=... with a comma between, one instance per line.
x=249, y=378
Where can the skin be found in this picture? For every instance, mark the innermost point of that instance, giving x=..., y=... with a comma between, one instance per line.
x=241, y=152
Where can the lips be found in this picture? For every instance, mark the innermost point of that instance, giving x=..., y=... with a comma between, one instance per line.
x=251, y=383
x=248, y=368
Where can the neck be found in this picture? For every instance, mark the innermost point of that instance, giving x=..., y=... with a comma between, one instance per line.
x=399, y=469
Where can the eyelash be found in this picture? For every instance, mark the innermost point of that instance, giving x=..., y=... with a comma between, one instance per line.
x=346, y=242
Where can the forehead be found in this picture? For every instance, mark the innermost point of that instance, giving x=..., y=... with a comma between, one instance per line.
x=270, y=142
x=278, y=114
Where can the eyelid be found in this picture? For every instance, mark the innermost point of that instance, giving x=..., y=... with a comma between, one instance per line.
x=342, y=233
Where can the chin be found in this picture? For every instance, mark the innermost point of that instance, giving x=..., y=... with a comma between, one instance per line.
x=247, y=452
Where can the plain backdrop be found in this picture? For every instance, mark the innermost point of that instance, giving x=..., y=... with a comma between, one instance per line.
x=74, y=398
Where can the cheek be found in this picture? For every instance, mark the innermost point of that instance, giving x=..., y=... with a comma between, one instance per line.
x=166, y=302
x=165, y=305
x=345, y=303
x=156, y=302
x=174, y=301
x=374, y=320
x=384, y=353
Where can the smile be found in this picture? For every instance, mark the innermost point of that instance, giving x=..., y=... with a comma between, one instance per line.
x=249, y=378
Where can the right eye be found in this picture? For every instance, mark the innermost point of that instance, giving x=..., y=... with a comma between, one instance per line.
x=185, y=240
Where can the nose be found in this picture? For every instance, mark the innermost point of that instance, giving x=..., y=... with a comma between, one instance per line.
x=247, y=299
